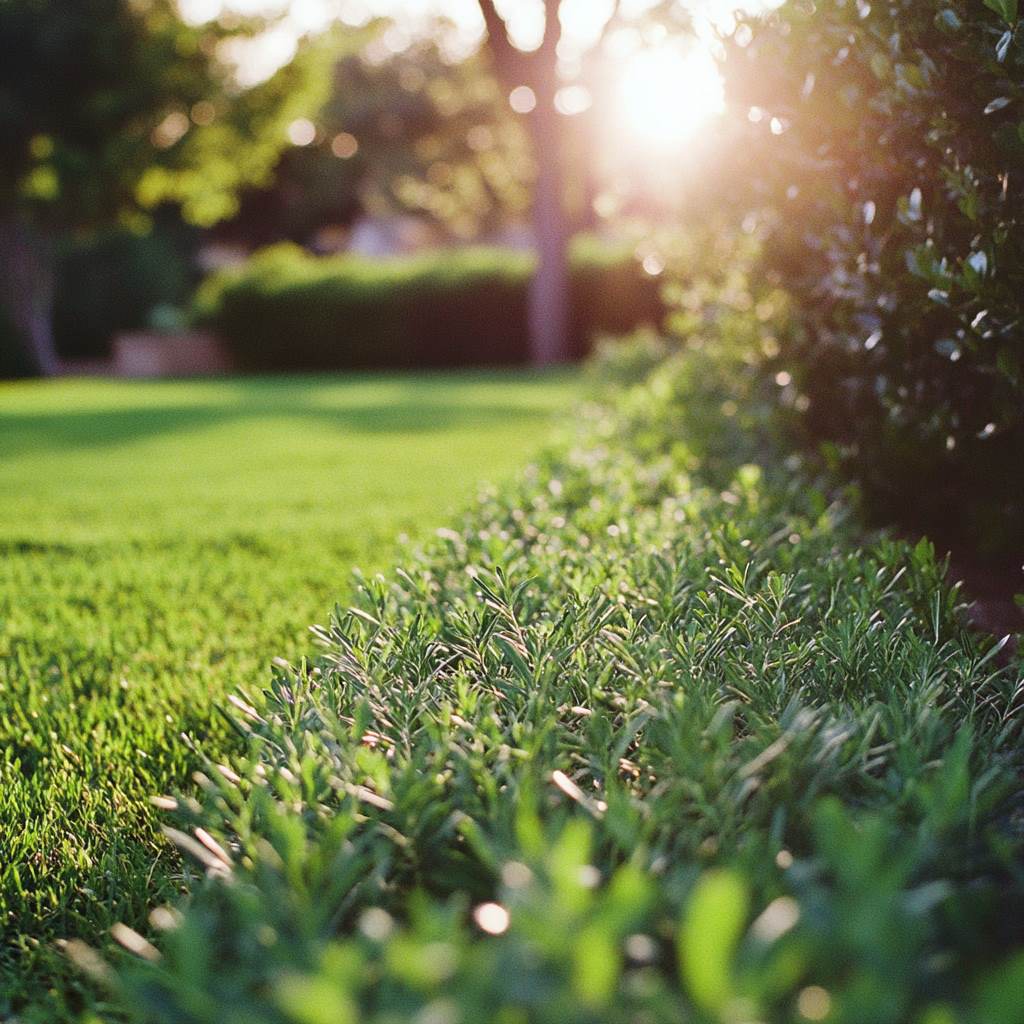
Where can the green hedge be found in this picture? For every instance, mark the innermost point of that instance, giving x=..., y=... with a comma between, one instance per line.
x=288, y=310
x=886, y=151
x=647, y=737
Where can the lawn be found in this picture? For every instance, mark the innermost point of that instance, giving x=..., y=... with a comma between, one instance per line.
x=161, y=543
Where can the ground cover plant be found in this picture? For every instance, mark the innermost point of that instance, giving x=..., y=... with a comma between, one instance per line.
x=654, y=735
x=159, y=544
x=286, y=309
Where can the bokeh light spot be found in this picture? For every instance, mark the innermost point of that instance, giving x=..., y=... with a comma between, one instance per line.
x=301, y=132
x=522, y=99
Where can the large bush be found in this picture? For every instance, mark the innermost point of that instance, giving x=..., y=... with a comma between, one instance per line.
x=464, y=307
x=888, y=142
x=645, y=738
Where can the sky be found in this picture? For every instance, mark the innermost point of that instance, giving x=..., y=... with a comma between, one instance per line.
x=583, y=19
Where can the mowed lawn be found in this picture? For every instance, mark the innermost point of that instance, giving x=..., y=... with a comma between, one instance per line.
x=160, y=543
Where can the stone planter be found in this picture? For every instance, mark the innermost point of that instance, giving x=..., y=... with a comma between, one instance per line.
x=152, y=354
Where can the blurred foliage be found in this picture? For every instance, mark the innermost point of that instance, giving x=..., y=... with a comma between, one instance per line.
x=285, y=309
x=110, y=107
x=118, y=280
x=407, y=131
x=647, y=737
x=884, y=146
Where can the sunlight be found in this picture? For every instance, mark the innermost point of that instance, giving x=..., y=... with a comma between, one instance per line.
x=665, y=96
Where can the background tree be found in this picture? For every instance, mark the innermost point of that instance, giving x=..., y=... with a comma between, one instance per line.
x=109, y=108
x=537, y=71
x=401, y=132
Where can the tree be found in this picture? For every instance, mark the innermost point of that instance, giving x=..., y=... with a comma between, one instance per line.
x=411, y=133
x=538, y=71
x=109, y=108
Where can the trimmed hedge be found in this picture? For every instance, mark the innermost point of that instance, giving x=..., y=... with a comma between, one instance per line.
x=886, y=141
x=647, y=737
x=287, y=310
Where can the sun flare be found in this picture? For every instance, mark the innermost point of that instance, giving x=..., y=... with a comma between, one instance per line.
x=665, y=96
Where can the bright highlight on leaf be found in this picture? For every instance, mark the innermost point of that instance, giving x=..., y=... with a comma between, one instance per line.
x=709, y=935
x=491, y=918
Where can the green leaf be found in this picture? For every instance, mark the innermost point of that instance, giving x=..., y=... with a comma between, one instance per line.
x=1008, y=364
x=710, y=932
x=998, y=997
x=597, y=964
x=1006, y=9
x=314, y=1000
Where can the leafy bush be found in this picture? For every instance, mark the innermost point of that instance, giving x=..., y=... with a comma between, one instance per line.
x=288, y=310
x=646, y=738
x=887, y=141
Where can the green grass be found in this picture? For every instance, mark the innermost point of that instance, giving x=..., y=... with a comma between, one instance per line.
x=159, y=544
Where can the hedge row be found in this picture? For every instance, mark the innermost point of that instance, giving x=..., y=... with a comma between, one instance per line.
x=288, y=310
x=887, y=141
x=647, y=737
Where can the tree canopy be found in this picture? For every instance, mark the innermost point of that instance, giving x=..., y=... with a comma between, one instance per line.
x=109, y=108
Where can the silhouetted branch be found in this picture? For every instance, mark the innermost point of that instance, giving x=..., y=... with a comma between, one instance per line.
x=510, y=64
x=552, y=27
x=612, y=21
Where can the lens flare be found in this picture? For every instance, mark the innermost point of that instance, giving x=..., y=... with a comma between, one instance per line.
x=666, y=96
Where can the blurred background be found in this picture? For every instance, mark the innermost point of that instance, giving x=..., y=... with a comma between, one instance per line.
x=161, y=156
x=217, y=186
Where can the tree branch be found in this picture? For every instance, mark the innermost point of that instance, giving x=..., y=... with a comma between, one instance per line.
x=613, y=19
x=510, y=64
x=552, y=27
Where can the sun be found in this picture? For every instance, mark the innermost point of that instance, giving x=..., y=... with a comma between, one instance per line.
x=664, y=97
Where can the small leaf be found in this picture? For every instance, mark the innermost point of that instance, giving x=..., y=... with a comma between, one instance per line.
x=998, y=996
x=880, y=65
x=1006, y=9
x=709, y=935
x=1008, y=364
x=978, y=262
x=1003, y=46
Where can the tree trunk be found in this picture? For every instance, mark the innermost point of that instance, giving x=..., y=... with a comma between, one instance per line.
x=26, y=291
x=550, y=315
x=549, y=299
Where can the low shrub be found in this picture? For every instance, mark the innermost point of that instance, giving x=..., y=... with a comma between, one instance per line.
x=286, y=309
x=885, y=140
x=648, y=737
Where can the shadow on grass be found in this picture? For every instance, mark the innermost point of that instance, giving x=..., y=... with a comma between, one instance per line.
x=412, y=411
